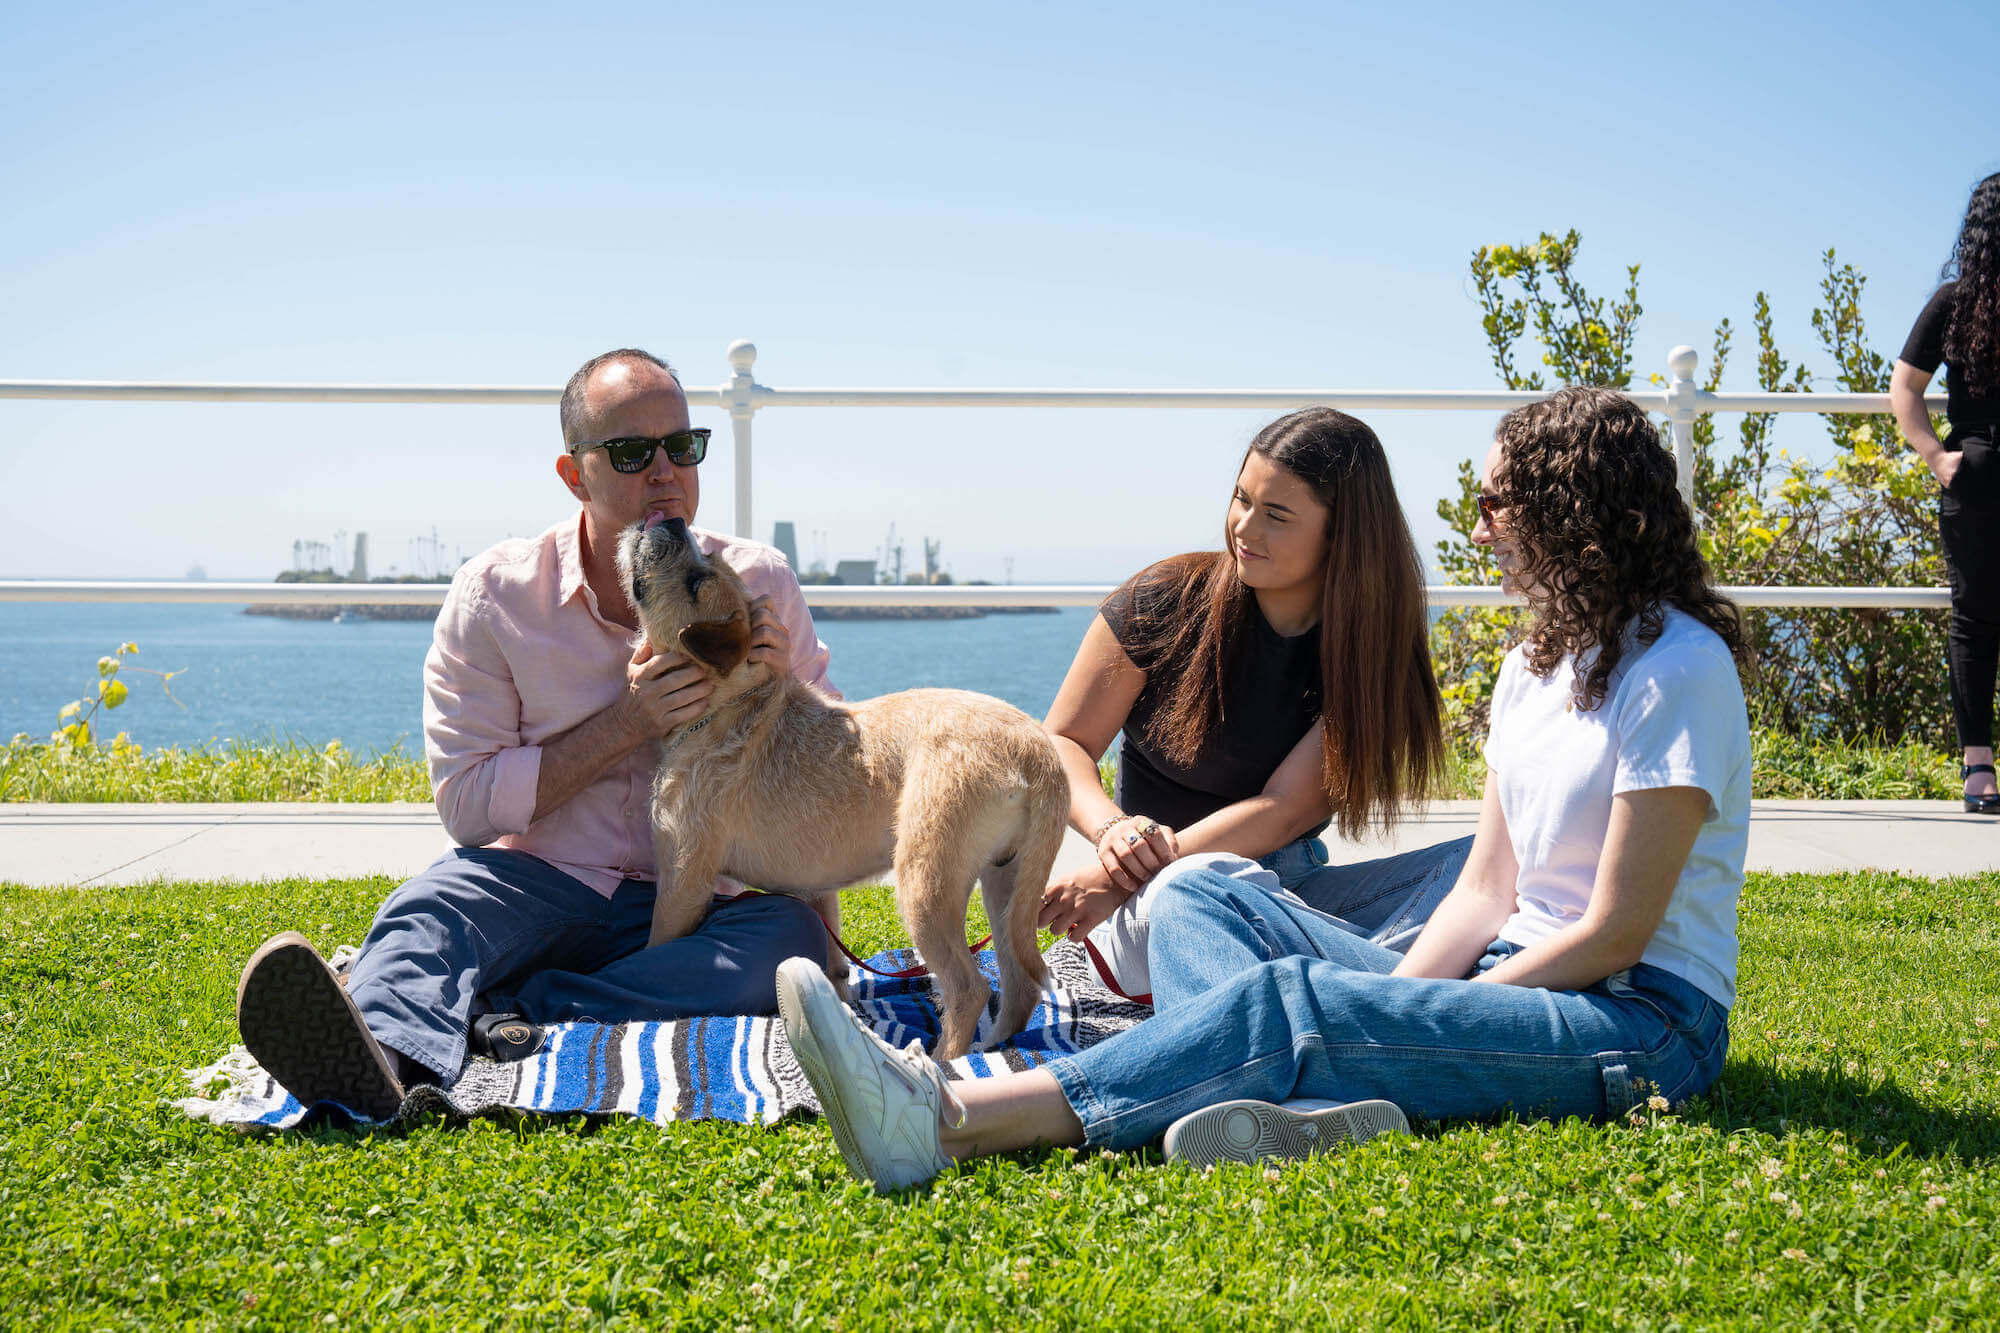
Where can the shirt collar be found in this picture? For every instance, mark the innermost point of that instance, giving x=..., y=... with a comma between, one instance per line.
x=569, y=560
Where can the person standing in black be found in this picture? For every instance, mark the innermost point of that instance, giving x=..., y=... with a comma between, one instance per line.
x=1960, y=328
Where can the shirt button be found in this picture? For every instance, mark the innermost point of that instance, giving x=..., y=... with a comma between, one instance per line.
x=628, y=812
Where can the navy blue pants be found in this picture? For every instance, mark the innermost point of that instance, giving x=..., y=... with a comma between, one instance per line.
x=487, y=930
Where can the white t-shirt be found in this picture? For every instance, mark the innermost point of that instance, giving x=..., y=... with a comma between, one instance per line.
x=1673, y=716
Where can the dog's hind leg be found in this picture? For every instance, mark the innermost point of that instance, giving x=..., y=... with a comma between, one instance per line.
x=1013, y=897
x=837, y=971
x=934, y=872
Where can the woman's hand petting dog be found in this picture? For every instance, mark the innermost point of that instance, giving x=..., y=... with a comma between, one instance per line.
x=770, y=641
x=663, y=691
x=1075, y=903
x=1078, y=900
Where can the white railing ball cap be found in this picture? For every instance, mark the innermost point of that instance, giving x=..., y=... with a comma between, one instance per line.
x=742, y=356
x=1682, y=361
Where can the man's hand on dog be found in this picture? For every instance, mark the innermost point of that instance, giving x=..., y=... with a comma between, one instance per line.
x=664, y=691
x=770, y=641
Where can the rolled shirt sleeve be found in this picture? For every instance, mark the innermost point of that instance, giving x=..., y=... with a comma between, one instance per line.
x=482, y=776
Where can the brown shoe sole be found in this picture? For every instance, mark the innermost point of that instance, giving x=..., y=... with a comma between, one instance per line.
x=300, y=1025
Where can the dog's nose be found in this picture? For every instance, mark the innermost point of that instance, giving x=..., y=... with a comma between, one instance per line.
x=667, y=531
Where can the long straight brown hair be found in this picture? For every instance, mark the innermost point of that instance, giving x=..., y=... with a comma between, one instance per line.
x=1379, y=702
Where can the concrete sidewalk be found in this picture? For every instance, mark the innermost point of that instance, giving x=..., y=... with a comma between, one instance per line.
x=101, y=845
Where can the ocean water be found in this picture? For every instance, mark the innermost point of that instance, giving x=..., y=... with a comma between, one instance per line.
x=248, y=677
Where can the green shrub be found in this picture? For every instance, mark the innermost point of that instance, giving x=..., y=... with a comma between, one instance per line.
x=1867, y=517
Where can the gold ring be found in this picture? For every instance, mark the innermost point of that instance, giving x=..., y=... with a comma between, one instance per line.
x=1146, y=827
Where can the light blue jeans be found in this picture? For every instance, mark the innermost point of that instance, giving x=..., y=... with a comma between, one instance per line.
x=1257, y=995
x=1385, y=901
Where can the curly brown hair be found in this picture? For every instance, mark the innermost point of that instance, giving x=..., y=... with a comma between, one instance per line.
x=1591, y=501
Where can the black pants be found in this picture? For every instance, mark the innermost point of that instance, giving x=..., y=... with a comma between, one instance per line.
x=1969, y=527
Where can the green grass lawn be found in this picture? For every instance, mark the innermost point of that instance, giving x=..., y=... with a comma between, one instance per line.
x=1843, y=1172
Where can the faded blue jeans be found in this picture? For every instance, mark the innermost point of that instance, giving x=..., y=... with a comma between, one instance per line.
x=1258, y=996
x=1385, y=901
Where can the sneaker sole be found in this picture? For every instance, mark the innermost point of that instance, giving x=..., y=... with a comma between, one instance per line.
x=1250, y=1131
x=805, y=1046
x=300, y=1025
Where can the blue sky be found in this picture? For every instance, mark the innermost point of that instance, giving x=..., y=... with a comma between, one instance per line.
x=1036, y=195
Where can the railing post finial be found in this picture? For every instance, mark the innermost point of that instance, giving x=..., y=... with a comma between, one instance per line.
x=741, y=395
x=1682, y=395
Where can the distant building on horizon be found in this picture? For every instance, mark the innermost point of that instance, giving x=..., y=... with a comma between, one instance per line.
x=786, y=540
x=855, y=573
x=359, y=572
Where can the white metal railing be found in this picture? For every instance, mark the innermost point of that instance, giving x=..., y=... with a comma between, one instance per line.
x=834, y=594
x=1682, y=402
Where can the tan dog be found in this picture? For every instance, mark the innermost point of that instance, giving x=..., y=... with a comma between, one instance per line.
x=786, y=790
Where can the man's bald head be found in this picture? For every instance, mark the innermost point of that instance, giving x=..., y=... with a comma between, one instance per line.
x=627, y=364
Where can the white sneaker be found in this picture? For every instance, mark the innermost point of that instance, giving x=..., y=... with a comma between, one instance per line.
x=1249, y=1131
x=883, y=1105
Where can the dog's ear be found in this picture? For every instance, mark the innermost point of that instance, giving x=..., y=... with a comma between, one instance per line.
x=723, y=644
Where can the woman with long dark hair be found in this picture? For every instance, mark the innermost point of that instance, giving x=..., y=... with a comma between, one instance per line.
x=1960, y=328
x=1584, y=962
x=1263, y=690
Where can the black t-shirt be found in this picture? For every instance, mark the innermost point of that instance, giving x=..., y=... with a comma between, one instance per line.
x=1969, y=415
x=1271, y=700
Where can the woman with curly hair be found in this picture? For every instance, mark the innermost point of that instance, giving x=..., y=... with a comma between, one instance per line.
x=1263, y=690
x=1583, y=963
x=1960, y=327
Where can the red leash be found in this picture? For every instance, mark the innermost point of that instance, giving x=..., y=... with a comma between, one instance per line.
x=1105, y=975
x=1097, y=960
x=918, y=971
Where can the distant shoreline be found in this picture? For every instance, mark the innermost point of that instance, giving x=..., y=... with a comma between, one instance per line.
x=368, y=611
x=339, y=611
x=926, y=612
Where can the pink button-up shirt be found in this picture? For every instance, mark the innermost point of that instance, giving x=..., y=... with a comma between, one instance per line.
x=522, y=653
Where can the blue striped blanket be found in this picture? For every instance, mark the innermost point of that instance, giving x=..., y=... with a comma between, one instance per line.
x=734, y=1068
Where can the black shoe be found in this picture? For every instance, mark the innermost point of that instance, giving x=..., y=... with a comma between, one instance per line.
x=504, y=1037
x=297, y=1021
x=1979, y=805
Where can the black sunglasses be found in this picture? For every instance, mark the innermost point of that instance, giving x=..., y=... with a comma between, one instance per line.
x=1491, y=503
x=634, y=453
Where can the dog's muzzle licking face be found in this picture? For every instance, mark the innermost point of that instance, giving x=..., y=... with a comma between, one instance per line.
x=684, y=599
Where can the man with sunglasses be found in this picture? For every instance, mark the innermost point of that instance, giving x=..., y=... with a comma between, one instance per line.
x=541, y=703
